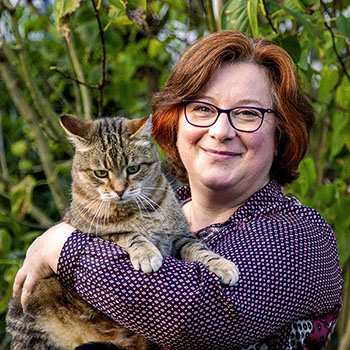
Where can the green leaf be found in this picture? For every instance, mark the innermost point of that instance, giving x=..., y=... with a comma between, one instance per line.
x=63, y=10
x=292, y=45
x=133, y=4
x=118, y=4
x=5, y=242
x=325, y=195
x=253, y=16
x=19, y=148
x=328, y=81
x=343, y=25
x=342, y=96
x=21, y=197
x=340, y=122
x=235, y=16
x=345, y=169
x=153, y=47
x=307, y=175
x=297, y=14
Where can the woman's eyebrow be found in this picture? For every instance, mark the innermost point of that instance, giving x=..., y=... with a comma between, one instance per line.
x=249, y=102
x=242, y=102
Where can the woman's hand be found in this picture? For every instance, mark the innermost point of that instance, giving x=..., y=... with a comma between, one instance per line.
x=41, y=259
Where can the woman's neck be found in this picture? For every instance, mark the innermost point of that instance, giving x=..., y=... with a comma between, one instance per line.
x=205, y=210
x=208, y=207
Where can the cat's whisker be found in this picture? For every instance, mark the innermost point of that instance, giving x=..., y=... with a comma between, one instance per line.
x=103, y=217
x=151, y=202
x=83, y=208
x=106, y=212
x=138, y=202
x=158, y=188
x=96, y=216
x=155, y=209
x=87, y=203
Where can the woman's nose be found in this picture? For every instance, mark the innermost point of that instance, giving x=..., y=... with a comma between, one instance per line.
x=222, y=129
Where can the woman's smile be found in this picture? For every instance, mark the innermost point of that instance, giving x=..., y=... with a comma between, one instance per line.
x=220, y=154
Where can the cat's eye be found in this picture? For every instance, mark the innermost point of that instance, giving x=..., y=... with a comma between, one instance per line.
x=101, y=173
x=133, y=169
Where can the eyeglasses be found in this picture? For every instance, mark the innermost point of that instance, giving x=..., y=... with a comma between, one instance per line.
x=204, y=115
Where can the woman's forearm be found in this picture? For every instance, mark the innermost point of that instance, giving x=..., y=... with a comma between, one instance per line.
x=179, y=305
x=41, y=259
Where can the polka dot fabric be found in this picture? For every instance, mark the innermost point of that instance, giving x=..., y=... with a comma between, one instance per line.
x=289, y=277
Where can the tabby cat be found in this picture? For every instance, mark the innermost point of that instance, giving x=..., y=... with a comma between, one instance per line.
x=118, y=193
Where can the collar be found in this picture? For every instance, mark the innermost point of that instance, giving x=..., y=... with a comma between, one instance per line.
x=261, y=201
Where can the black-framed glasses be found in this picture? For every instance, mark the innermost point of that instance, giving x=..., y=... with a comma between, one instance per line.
x=244, y=118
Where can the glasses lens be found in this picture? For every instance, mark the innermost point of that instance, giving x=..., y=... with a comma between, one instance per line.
x=246, y=118
x=201, y=114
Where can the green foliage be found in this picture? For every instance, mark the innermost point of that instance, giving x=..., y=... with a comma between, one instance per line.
x=107, y=57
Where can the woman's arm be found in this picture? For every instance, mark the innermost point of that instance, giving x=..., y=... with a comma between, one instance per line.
x=41, y=259
x=288, y=271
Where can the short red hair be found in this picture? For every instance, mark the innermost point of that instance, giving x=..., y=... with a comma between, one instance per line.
x=193, y=71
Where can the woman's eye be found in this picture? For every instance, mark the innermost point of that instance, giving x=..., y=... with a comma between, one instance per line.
x=203, y=109
x=248, y=113
x=101, y=173
x=133, y=169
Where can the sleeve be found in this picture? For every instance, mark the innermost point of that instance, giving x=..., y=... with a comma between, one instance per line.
x=287, y=271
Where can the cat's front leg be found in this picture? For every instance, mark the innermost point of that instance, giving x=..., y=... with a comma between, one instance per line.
x=191, y=250
x=144, y=255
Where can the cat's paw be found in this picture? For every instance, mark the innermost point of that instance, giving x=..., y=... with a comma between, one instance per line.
x=226, y=270
x=147, y=262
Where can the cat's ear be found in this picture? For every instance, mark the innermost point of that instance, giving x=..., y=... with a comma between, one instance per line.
x=79, y=131
x=141, y=127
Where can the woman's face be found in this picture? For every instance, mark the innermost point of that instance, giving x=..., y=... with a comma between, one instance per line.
x=220, y=157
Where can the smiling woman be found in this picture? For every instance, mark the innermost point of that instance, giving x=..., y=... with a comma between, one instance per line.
x=234, y=125
x=196, y=68
x=236, y=163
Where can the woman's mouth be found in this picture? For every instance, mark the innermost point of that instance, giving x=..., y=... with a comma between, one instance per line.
x=220, y=154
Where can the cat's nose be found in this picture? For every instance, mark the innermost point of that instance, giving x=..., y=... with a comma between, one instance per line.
x=120, y=193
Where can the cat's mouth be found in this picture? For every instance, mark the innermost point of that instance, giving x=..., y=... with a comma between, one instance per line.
x=114, y=197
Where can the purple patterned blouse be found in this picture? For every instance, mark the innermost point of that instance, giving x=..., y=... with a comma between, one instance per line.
x=288, y=295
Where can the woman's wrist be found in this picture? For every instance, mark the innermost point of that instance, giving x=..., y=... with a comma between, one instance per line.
x=41, y=259
x=55, y=238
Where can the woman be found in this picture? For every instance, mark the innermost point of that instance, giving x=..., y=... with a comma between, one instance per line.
x=234, y=125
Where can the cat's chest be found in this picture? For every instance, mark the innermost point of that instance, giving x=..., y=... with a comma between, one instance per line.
x=156, y=231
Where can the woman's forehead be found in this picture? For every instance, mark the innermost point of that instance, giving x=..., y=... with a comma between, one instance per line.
x=242, y=82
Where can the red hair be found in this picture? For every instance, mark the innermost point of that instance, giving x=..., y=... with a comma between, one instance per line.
x=193, y=71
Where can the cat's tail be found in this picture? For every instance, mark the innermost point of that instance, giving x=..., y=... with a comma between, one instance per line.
x=98, y=346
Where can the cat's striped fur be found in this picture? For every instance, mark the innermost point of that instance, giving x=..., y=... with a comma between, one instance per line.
x=119, y=193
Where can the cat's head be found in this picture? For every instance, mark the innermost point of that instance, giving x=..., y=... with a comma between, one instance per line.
x=115, y=158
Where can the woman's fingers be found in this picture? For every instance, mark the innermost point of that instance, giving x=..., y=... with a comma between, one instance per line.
x=41, y=259
x=29, y=283
x=19, y=281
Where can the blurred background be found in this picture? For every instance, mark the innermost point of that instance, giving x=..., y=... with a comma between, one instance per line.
x=96, y=58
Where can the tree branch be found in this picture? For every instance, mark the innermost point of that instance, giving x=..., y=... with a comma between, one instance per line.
x=336, y=51
x=102, y=82
x=212, y=25
x=268, y=18
x=36, y=213
x=33, y=122
x=44, y=109
x=333, y=42
x=3, y=162
x=79, y=109
x=85, y=93
x=55, y=69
